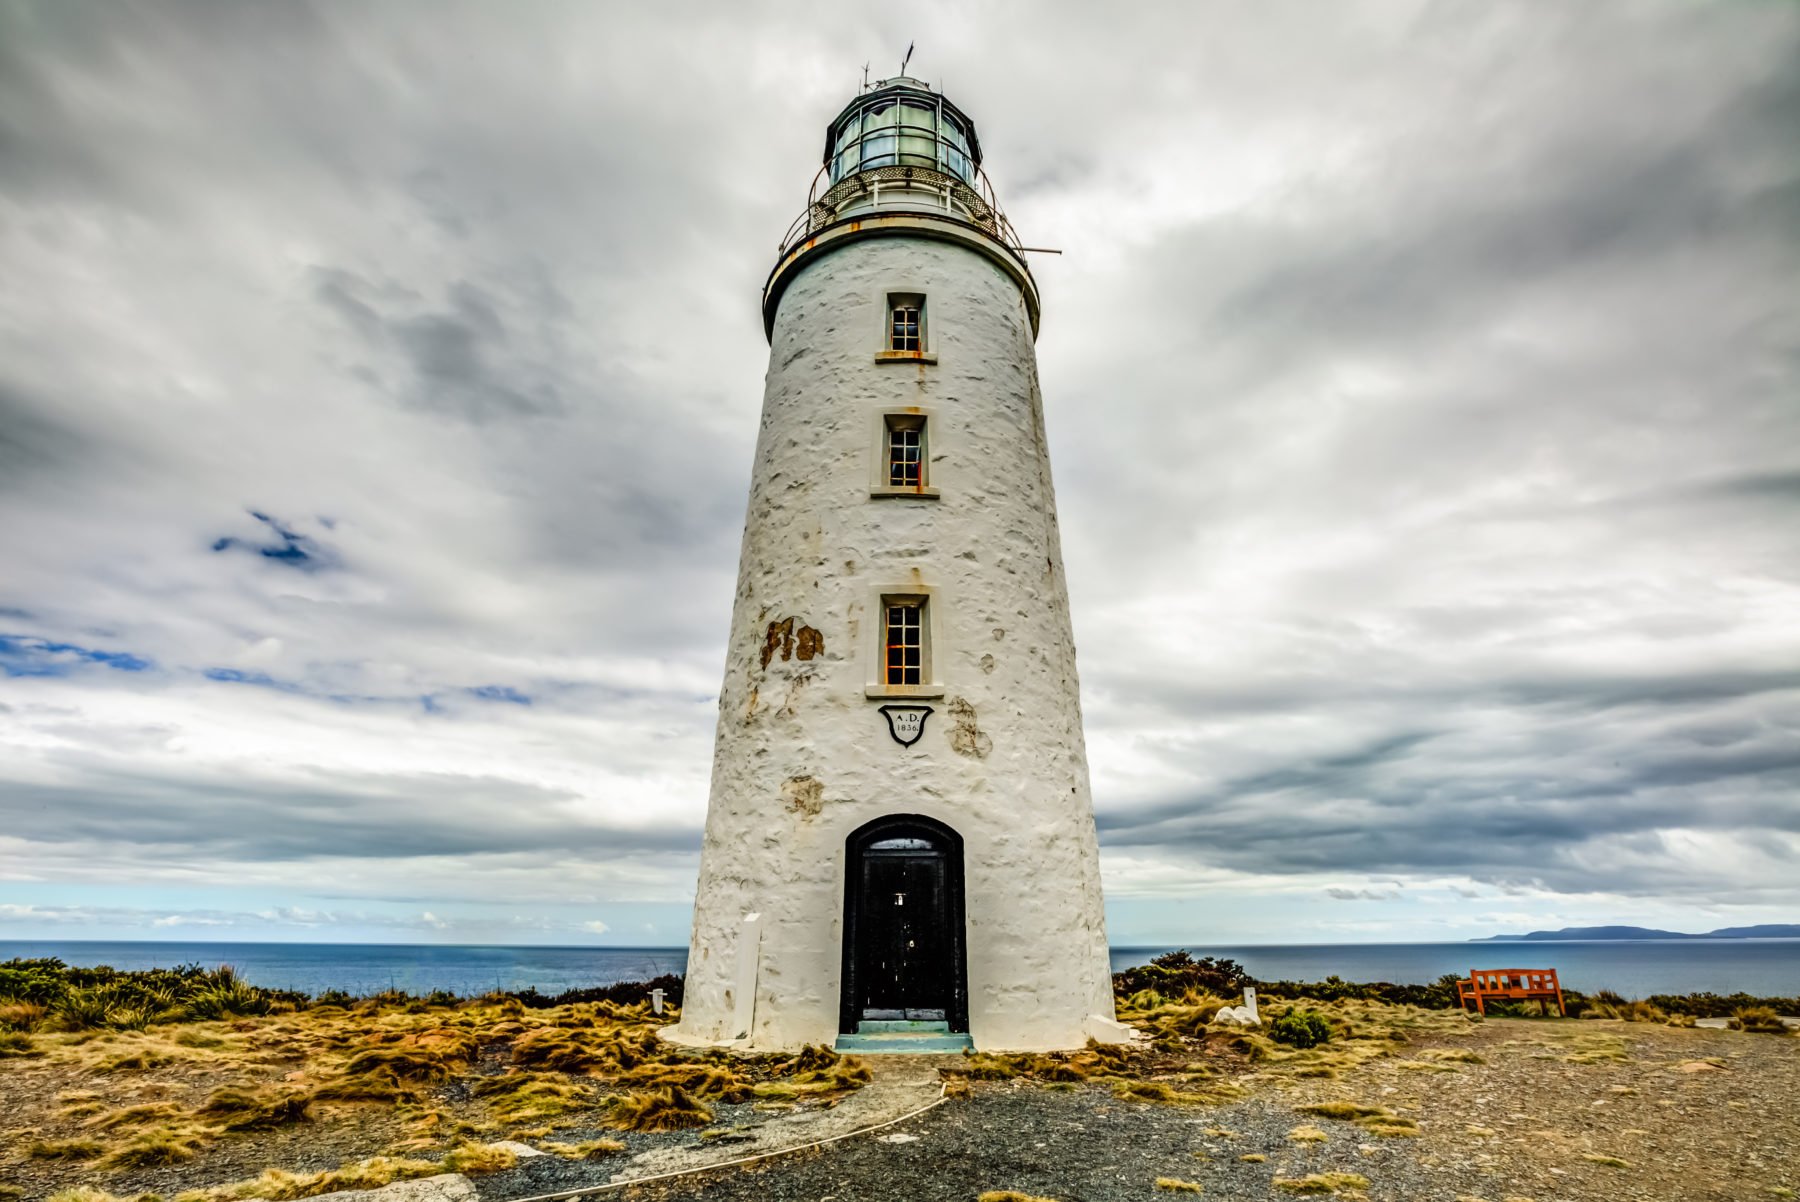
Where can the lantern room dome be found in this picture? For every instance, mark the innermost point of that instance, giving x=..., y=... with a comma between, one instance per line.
x=901, y=122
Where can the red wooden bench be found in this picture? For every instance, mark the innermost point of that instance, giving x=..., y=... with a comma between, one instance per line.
x=1486, y=985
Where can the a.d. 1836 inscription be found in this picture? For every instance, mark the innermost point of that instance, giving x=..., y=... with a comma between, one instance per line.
x=906, y=722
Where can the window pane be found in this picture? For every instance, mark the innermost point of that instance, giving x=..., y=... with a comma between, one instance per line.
x=904, y=329
x=905, y=458
x=905, y=648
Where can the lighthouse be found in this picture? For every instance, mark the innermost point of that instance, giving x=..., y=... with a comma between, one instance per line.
x=900, y=850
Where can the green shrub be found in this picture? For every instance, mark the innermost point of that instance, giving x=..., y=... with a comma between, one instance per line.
x=1301, y=1028
x=1175, y=973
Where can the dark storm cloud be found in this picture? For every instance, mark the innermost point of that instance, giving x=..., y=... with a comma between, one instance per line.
x=328, y=815
x=32, y=441
x=455, y=358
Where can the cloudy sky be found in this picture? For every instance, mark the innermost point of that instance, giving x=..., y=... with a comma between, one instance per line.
x=378, y=386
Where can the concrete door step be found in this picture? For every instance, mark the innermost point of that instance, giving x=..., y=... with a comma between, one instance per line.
x=897, y=1026
x=913, y=1039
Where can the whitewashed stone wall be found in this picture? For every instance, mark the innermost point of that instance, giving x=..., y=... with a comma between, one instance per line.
x=803, y=758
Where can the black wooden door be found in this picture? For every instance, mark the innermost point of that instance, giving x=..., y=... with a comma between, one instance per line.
x=906, y=953
x=903, y=924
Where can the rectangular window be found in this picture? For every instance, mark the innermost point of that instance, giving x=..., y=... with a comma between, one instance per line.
x=904, y=630
x=906, y=452
x=906, y=323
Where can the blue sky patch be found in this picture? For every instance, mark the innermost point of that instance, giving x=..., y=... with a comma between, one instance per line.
x=26, y=655
x=260, y=679
x=288, y=547
x=500, y=692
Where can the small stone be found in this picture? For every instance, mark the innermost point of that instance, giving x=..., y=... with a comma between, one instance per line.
x=901, y=1137
x=522, y=1151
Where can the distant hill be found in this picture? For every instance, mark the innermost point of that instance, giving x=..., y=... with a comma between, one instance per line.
x=1770, y=930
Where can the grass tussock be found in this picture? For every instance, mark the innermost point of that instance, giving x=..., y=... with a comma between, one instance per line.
x=669, y=1108
x=1611, y=1162
x=64, y=1149
x=280, y=1185
x=1376, y=1120
x=1161, y=1094
x=1009, y=1195
x=520, y=1098
x=421, y=1065
x=155, y=1148
x=145, y=1114
x=239, y=1109
x=365, y=1087
x=603, y=1053
x=1453, y=1055
x=588, y=1149
x=1759, y=1019
x=475, y=1159
x=1344, y=1112
x=1322, y=1183
x=1307, y=1135
x=701, y=1080
x=134, y=1060
x=1175, y=1185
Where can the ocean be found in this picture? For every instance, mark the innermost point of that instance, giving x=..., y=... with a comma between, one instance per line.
x=1763, y=967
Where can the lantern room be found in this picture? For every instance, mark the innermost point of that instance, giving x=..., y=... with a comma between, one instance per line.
x=901, y=123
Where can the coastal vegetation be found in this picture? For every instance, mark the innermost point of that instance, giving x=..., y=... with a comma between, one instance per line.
x=172, y=1082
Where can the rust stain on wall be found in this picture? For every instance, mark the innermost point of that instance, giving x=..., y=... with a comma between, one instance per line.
x=792, y=637
x=966, y=738
x=804, y=795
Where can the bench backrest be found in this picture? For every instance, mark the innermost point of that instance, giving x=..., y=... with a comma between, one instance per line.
x=1513, y=981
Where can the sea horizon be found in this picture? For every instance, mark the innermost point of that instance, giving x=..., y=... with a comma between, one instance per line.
x=1768, y=967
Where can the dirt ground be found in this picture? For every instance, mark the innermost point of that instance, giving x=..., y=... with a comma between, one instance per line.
x=1554, y=1111
x=1546, y=1110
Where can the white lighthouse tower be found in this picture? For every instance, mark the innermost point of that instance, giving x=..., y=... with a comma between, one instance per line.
x=900, y=847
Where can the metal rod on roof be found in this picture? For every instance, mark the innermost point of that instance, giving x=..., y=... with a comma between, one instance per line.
x=1039, y=250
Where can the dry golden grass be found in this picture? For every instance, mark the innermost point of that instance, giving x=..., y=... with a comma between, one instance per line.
x=474, y=1159
x=64, y=1149
x=526, y=1097
x=279, y=1184
x=1376, y=1120
x=669, y=1108
x=237, y=1108
x=1162, y=1094
x=1175, y=1185
x=589, y=1149
x=154, y=1148
x=1009, y=1195
x=1322, y=1183
x=1307, y=1135
x=167, y=1095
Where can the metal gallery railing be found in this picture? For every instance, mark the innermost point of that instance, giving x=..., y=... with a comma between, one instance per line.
x=901, y=167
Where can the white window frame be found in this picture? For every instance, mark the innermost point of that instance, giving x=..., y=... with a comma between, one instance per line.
x=931, y=651
x=886, y=302
x=879, y=479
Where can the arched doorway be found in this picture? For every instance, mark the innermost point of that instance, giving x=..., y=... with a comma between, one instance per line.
x=903, y=924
